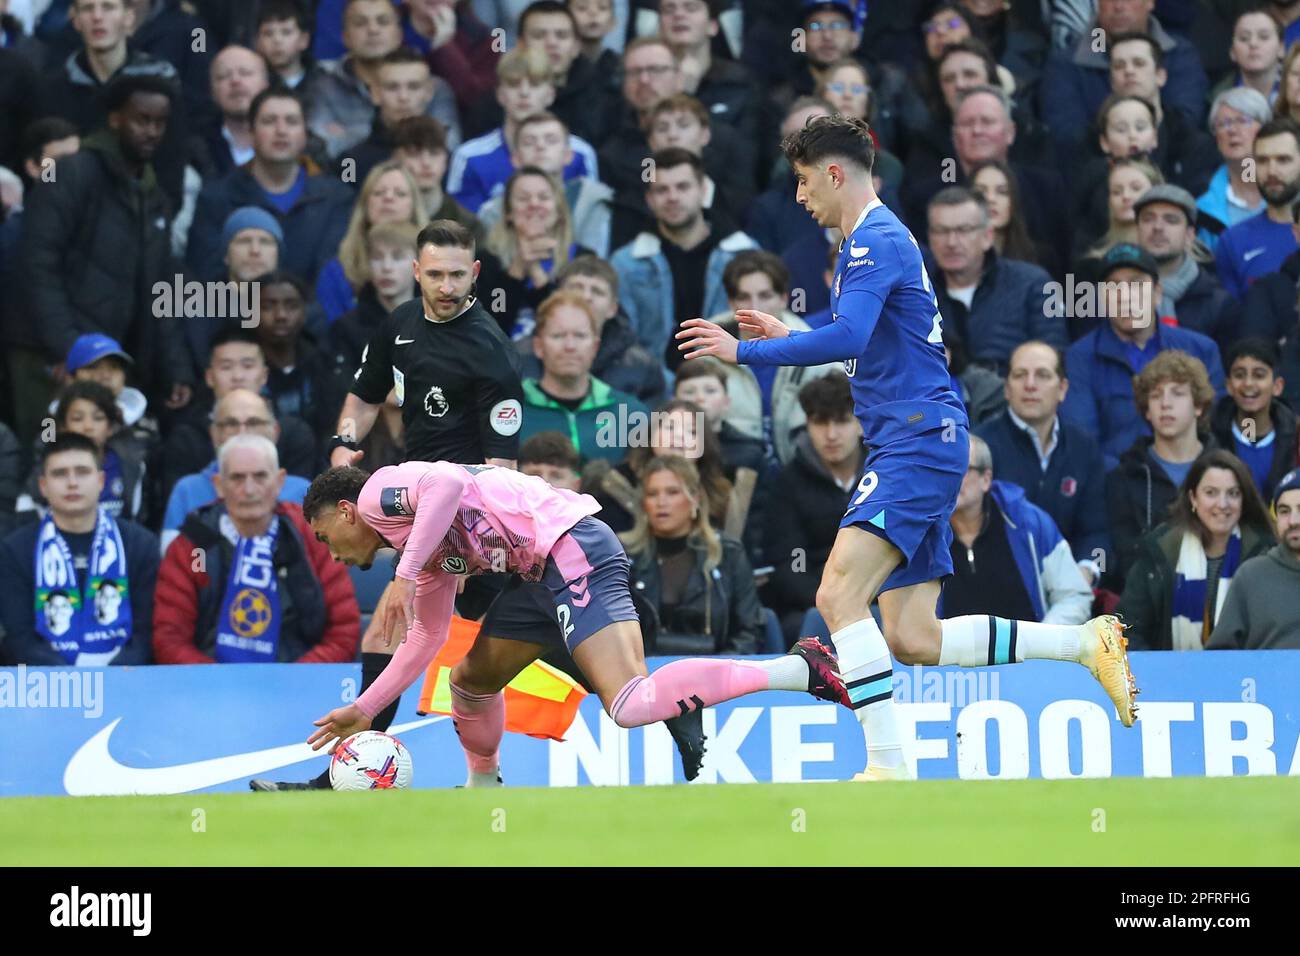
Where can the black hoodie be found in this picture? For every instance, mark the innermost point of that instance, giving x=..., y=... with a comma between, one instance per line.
x=1284, y=445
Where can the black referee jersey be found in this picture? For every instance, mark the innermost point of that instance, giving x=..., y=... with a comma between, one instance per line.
x=457, y=383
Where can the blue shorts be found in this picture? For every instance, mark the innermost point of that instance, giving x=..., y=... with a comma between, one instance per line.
x=584, y=588
x=906, y=496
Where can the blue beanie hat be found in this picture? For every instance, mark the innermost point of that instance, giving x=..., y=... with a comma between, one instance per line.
x=251, y=217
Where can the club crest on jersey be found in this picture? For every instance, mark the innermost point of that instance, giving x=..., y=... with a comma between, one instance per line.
x=435, y=403
x=395, y=503
x=454, y=565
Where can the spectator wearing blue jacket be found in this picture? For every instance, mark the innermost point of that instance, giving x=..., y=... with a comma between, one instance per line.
x=1058, y=465
x=994, y=527
x=1101, y=365
x=1258, y=246
x=238, y=411
x=992, y=303
x=675, y=272
x=1077, y=79
x=311, y=208
x=480, y=166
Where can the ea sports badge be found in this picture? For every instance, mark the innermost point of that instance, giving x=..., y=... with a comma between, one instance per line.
x=506, y=417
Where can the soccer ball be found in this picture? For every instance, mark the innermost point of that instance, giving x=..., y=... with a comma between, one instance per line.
x=371, y=760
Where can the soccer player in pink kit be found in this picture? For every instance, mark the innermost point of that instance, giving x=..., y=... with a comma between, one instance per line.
x=449, y=520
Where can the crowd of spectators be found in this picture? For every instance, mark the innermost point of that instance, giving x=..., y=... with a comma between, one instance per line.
x=209, y=209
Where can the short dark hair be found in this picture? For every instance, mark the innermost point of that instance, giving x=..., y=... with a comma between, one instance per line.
x=827, y=398
x=591, y=266
x=1253, y=346
x=541, y=116
x=1060, y=356
x=675, y=156
x=549, y=448
x=39, y=134
x=273, y=11
x=445, y=232
x=118, y=91
x=751, y=261
x=1128, y=36
x=705, y=367
x=420, y=132
x=974, y=47
x=332, y=486
x=831, y=137
x=539, y=7
x=87, y=391
x=401, y=55
x=233, y=334
x=71, y=441
x=284, y=277
x=1276, y=127
x=274, y=93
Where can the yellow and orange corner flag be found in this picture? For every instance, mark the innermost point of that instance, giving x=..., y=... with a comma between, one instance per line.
x=541, y=701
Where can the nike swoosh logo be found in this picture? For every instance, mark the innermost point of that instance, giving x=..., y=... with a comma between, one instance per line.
x=1247, y=256
x=401, y=341
x=94, y=771
x=857, y=253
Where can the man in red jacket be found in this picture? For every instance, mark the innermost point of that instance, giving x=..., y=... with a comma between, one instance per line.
x=247, y=581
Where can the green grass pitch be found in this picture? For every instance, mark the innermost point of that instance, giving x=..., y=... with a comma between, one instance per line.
x=1181, y=821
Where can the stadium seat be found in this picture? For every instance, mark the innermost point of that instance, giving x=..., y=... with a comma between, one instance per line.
x=773, y=640
x=370, y=584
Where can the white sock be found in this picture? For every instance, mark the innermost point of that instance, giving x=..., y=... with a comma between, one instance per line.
x=788, y=672
x=492, y=779
x=981, y=640
x=869, y=673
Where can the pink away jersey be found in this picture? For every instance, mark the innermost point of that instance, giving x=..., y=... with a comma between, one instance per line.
x=457, y=518
x=452, y=519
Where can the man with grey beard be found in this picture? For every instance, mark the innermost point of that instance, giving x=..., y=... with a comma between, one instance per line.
x=1257, y=246
x=1166, y=221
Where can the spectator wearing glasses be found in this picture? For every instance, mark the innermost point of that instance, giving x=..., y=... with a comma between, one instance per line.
x=239, y=412
x=236, y=361
x=307, y=610
x=994, y=303
x=1233, y=194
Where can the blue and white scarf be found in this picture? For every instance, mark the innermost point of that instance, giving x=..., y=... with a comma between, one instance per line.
x=87, y=625
x=1191, y=626
x=248, y=625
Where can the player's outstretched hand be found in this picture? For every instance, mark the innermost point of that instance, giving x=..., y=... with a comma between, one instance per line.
x=399, y=610
x=702, y=337
x=338, y=724
x=760, y=325
x=342, y=457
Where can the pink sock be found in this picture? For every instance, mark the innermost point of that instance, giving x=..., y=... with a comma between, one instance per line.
x=480, y=720
x=682, y=686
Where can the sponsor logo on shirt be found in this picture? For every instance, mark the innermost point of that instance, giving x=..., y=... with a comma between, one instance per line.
x=395, y=503
x=435, y=403
x=454, y=565
x=506, y=417
x=1251, y=254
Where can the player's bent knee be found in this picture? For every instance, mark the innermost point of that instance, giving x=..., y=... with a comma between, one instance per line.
x=473, y=678
x=913, y=643
x=372, y=642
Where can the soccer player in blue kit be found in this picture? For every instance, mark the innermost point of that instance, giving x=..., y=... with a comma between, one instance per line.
x=893, y=543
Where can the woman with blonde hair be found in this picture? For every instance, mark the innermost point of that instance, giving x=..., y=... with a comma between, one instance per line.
x=531, y=241
x=1127, y=179
x=699, y=582
x=389, y=194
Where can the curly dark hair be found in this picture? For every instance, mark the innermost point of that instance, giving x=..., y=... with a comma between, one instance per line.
x=332, y=486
